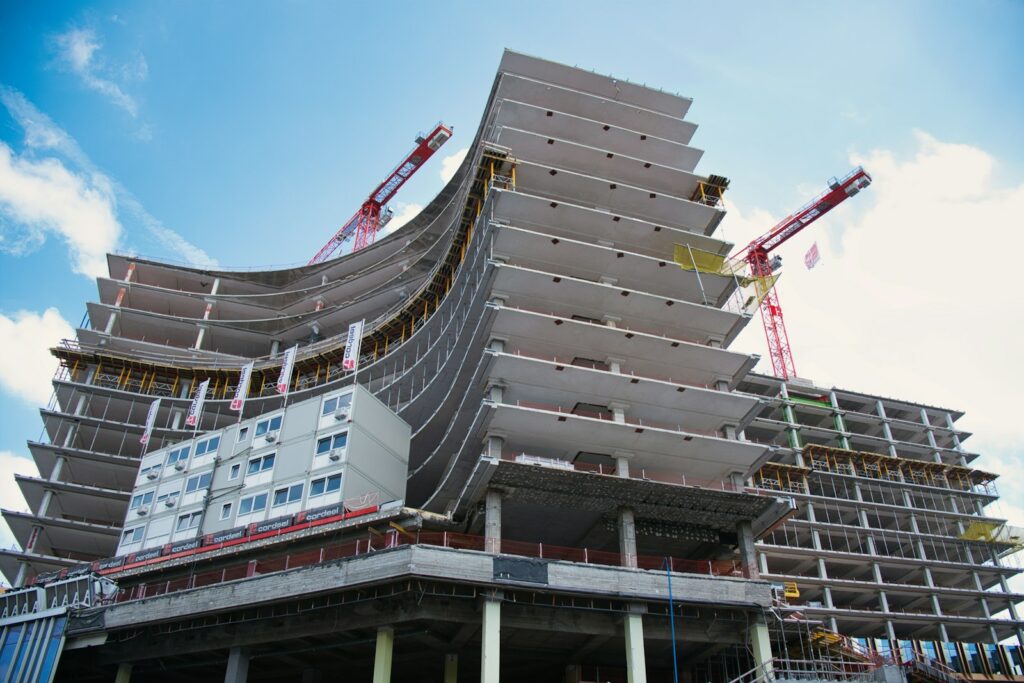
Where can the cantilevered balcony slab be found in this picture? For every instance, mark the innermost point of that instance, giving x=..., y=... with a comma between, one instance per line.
x=541, y=334
x=695, y=456
x=79, y=537
x=11, y=560
x=567, y=296
x=590, y=224
x=718, y=509
x=534, y=380
x=597, y=161
x=589, y=261
x=599, y=134
x=562, y=100
x=621, y=198
x=75, y=500
x=85, y=467
x=593, y=83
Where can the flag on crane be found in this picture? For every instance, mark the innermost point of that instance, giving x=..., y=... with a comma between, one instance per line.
x=812, y=256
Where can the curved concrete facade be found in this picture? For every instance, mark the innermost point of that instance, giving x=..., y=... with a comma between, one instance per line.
x=532, y=311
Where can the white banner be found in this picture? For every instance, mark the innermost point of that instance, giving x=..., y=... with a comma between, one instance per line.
x=285, y=380
x=812, y=256
x=150, y=421
x=242, y=390
x=350, y=361
x=196, y=409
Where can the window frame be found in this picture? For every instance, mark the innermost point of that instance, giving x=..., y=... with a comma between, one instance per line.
x=141, y=497
x=205, y=445
x=195, y=515
x=262, y=459
x=234, y=471
x=267, y=425
x=252, y=507
x=325, y=479
x=331, y=439
x=174, y=455
x=225, y=511
x=292, y=493
x=198, y=478
x=135, y=531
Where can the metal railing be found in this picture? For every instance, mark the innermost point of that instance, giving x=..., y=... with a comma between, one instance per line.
x=395, y=539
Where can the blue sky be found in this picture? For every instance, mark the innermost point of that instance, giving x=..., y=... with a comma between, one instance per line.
x=247, y=136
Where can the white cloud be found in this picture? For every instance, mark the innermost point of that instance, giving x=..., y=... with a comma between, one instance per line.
x=403, y=214
x=43, y=135
x=26, y=366
x=44, y=196
x=916, y=296
x=450, y=164
x=77, y=50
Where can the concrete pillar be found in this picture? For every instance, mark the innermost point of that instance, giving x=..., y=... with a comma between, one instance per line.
x=451, y=668
x=622, y=464
x=943, y=634
x=275, y=346
x=837, y=419
x=490, y=639
x=124, y=673
x=883, y=601
x=636, y=660
x=618, y=411
x=761, y=647
x=826, y=592
x=762, y=563
x=382, y=655
x=891, y=632
x=492, y=521
x=745, y=540
x=615, y=365
x=238, y=665
x=574, y=673
x=627, y=537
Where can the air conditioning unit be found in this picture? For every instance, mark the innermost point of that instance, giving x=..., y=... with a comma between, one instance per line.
x=341, y=414
x=271, y=437
x=142, y=511
x=170, y=502
x=151, y=475
x=180, y=466
x=335, y=454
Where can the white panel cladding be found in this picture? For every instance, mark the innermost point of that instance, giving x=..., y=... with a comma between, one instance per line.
x=269, y=480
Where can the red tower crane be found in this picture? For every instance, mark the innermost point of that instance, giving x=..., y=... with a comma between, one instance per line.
x=761, y=267
x=372, y=215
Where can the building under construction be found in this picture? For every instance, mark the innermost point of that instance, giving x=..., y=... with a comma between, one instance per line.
x=546, y=461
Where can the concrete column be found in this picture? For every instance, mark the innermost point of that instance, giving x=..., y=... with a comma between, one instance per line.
x=615, y=365
x=762, y=563
x=748, y=560
x=574, y=673
x=618, y=411
x=636, y=660
x=883, y=601
x=891, y=632
x=382, y=655
x=492, y=521
x=826, y=592
x=124, y=673
x=622, y=464
x=238, y=665
x=627, y=537
x=943, y=634
x=275, y=346
x=451, y=668
x=761, y=647
x=490, y=640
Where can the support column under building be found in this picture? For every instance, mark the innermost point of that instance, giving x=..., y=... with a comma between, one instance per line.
x=636, y=660
x=382, y=655
x=627, y=537
x=761, y=648
x=490, y=639
x=748, y=556
x=124, y=673
x=451, y=668
x=238, y=665
x=492, y=521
